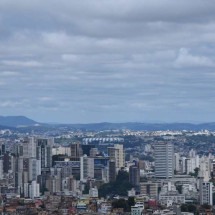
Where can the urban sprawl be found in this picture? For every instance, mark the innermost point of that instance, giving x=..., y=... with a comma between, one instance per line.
x=107, y=172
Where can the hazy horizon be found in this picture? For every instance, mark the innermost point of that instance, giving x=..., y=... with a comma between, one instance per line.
x=147, y=122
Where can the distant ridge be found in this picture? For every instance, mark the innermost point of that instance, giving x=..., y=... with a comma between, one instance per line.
x=29, y=124
x=16, y=121
x=4, y=127
x=143, y=126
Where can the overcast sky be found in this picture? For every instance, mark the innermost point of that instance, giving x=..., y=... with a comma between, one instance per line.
x=115, y=60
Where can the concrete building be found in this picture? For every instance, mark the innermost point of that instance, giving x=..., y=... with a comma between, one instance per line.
x=29, y=147
x=205, y=168
x=192, y=153
x=177, y=162
x=190, y=191
x=213, y=168
x=191, y=163
x=117, y=154
x=76, y=150
x=149, y=188
x=8, y=163
x=112, y=170
x=86, y=168
x=93, y=152
x=169, y=195
x=183, y=165
x=138, y=208
x=171, y=198
x=1, y=169
x=134, y=176
x=61, y=151
x=34, y=190
x=69, y=168
x=34, y=168
x=44, y=152
x=101, y=169
x=206, y=193
x=2, y=149
x=31, y=190
x=164, y=160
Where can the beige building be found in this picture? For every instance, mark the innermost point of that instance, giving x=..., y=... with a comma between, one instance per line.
x=76, y=150
x=149, y=188
x=117, y=154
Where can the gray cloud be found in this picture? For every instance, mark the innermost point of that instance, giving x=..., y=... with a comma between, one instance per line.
x=74, y=61
x=185, y=59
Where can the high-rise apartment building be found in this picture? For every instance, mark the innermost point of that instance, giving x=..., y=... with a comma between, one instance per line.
x=2, y=149
x=164, y=160
x=112, y=170
x=86, y=168
x=205, y=168
x=117, y=154
x=149, y=188
x=29, y=147
x=177, y=162
x=213, y=168
x=1, y=169
x=34, y=190
x=44, y=152
x=76, y=150
x=32, y=160
x=134, y=176
x=34, y=168
x=206, y=193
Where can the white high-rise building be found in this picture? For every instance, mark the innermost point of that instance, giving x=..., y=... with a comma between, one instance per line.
x=177, y=162
x=117, y=154
x=191, y=163
x=183, y=164
x=192, y=153
x=205, y=170
x=34, y=190
x=164, y=160
x=29, y=147
x=206, y=193
x=86, y=168
x=1, y=169
x=34, y=169
x=19, y=174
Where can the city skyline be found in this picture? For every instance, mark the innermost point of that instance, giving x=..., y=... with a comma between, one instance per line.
x=106, y=61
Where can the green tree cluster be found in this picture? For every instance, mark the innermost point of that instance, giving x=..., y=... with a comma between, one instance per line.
x=125, y=204
x=188, y=208
x=196, y=172
x=119, y=187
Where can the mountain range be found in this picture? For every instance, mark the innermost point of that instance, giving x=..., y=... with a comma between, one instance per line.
x=16, y=121
x=22, y=121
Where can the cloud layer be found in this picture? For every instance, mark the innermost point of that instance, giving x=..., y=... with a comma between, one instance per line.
x=93, y=61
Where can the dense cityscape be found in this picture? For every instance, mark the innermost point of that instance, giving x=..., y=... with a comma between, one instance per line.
x=107, y=172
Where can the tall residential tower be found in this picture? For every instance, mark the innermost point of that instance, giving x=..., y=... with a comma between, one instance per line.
x=164, y=160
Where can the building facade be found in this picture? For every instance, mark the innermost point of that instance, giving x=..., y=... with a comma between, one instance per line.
x=164, y=160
